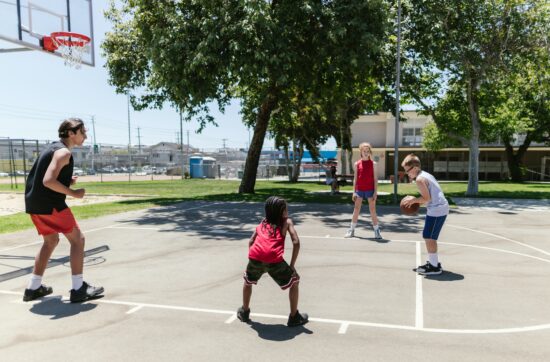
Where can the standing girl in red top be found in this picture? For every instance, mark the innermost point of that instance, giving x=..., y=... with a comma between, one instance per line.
x=265, y=254
x=365, y=187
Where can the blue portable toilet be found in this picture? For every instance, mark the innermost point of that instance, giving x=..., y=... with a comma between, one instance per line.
x=195, y=167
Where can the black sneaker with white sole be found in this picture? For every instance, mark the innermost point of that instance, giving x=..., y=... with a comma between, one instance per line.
x=243, y=315
x=32, y=294
x=297, y=319
x=429, y=269
x=85, y=292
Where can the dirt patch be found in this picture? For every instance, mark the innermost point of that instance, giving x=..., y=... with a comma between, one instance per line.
x=12, y=203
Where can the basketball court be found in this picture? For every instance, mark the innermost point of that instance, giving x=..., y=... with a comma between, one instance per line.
x=173, y=281
x=173, y=275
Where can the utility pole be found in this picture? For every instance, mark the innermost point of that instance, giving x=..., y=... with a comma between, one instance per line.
x=181, y=145
x=225, y=149
x=139, y=140
x=129, y=142
x=397, y=105
x=93, y=143
x=187, y=145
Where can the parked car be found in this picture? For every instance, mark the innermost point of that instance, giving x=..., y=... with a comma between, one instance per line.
x=78, y=172
x=4, y=174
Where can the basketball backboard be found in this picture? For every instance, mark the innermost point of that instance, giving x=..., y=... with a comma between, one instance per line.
x=24, y=23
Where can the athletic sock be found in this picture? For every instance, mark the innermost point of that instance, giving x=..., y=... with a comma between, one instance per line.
x=433, y=259
x=78, y=279
x=353, y=225
x=376, y=227
x=35, y=282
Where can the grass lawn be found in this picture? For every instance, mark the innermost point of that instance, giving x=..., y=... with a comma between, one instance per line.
x=159, y=193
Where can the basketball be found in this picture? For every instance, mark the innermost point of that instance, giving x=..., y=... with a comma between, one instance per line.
x=411, y=210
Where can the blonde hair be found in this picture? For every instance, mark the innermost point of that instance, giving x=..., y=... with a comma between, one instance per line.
x=365, y=145
x=411, y=160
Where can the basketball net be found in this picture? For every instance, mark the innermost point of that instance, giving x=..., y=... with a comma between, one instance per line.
x=71, y=50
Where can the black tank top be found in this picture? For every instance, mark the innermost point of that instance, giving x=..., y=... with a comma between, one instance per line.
x=38, y=198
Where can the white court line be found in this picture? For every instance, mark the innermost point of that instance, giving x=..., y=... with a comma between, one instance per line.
x=443, y=243
x=322, y=320
x=132, y=228
x=343, y=328
x=419, y=315
x=135, y=309
x=21, y=246
x=114, y=226
x=40, y=242
x=502, y=237
x=231, y=319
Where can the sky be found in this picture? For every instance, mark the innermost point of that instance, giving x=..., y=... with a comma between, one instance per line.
x=37, y=91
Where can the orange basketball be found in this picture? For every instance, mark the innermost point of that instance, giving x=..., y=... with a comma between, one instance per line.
x=411, y=210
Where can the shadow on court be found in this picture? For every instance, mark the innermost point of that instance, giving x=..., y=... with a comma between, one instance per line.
x=227, y=221
x=446, y=276
x=58, y=309
x=278, y=332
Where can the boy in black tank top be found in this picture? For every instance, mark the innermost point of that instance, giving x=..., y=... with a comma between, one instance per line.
x=47, y=187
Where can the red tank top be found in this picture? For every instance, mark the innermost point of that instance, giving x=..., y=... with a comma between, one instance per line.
x=267, y=248
x=365, y=175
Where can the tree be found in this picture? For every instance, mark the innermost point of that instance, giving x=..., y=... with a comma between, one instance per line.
x=470, y=42
x=190, y=53
x=520, y=107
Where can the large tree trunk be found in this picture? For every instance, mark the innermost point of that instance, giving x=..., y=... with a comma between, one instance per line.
x=253, y=158
x=343, y=148
x=473, y=108
x=515, y=161
x=297, y=161
x=288, y=168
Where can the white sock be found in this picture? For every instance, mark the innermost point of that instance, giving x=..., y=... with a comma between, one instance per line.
x=352, y=225
x=433, y=259
x=78, y=279
x=376, y=227
x=35, y=282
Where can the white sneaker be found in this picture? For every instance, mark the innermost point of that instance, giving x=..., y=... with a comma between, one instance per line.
x=377, y=234
x=350, y=233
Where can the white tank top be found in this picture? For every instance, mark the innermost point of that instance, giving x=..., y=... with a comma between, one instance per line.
x=438, y=205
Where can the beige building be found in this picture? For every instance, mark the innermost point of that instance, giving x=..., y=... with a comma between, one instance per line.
x=448, y=164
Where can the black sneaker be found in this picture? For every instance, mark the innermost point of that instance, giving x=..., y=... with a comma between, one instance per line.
x=243, y=315
x=85, y=292
x=429, y=269
x=297, y=319
x=32, y=294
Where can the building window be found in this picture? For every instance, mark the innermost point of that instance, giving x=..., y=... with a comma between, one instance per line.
x=412, y=136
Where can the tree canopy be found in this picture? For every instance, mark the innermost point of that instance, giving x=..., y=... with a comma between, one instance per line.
x=464, y=46
x=191, y=53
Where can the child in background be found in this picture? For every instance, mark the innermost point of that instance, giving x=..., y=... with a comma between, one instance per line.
x=365, y=185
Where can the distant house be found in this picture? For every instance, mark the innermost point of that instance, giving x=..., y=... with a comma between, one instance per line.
x=447, y=164
x=168, y=154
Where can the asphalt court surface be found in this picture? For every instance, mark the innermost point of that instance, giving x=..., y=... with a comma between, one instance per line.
x=173, y=280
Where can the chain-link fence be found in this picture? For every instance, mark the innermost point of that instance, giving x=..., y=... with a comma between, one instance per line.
x=165, y=160
x=16, y=159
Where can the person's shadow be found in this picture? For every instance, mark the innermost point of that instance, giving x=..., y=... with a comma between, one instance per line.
x=57, y=308
x=277, y=332
x=445, y=276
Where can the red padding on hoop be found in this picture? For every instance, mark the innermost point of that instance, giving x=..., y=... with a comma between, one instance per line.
x=48, y=44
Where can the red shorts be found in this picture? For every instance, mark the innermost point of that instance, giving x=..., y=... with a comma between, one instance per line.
x=58, y=222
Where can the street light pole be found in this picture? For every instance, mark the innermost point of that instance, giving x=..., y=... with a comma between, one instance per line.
x=129, y=142
x=181, y=144
x=397, y=105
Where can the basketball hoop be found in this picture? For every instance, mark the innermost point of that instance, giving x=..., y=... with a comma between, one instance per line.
x=71, y=46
